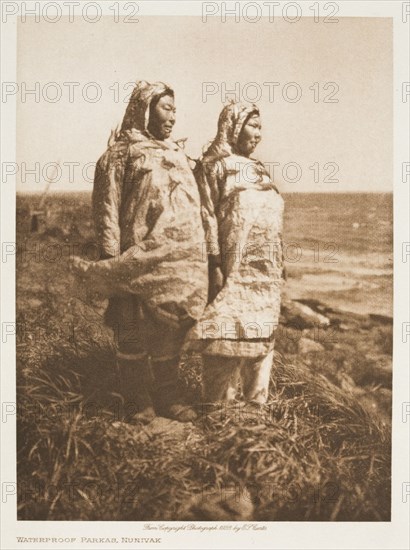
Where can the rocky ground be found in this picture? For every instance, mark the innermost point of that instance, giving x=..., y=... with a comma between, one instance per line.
x=353, y=351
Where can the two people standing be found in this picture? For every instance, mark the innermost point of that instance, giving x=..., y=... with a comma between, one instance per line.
x=153, y=216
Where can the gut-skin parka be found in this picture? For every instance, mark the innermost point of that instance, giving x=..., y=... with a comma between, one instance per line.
x=147, y=216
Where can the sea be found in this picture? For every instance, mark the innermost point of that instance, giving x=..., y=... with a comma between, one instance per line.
x=339, y=250
x=338, y=247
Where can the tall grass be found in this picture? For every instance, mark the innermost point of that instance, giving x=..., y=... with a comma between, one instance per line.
x=312, y=453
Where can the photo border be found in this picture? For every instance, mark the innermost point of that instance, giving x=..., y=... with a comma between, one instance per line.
x=283, y=535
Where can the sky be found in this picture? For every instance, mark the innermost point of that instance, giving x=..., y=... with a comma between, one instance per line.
x=336, y=137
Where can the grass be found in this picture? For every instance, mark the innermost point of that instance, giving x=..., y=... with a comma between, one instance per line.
x=319, y=450
x=313, y=453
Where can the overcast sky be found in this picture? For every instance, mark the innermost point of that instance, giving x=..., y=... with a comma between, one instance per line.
x=353, y=134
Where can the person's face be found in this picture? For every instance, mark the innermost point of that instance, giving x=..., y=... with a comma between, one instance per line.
x=162, y=118
x=250, y=136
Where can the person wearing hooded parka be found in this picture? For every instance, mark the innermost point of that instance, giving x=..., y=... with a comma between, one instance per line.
x=146, y=209
x=242, y=212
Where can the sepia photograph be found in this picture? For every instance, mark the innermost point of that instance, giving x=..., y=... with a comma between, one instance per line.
x=204, y=259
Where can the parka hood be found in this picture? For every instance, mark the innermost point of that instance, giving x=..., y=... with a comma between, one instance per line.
x=230, y=123
x=137, y=112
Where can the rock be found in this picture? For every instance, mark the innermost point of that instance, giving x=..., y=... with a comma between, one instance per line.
x=301, y=316
x=382, y=319
x=316, y=305
x=308, y=346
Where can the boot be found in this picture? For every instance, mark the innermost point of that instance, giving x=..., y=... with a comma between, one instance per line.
x=168, y=397
x=136, y=383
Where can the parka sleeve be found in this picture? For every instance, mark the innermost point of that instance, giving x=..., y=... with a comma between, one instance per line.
x=208, y=176
x=106, y=200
